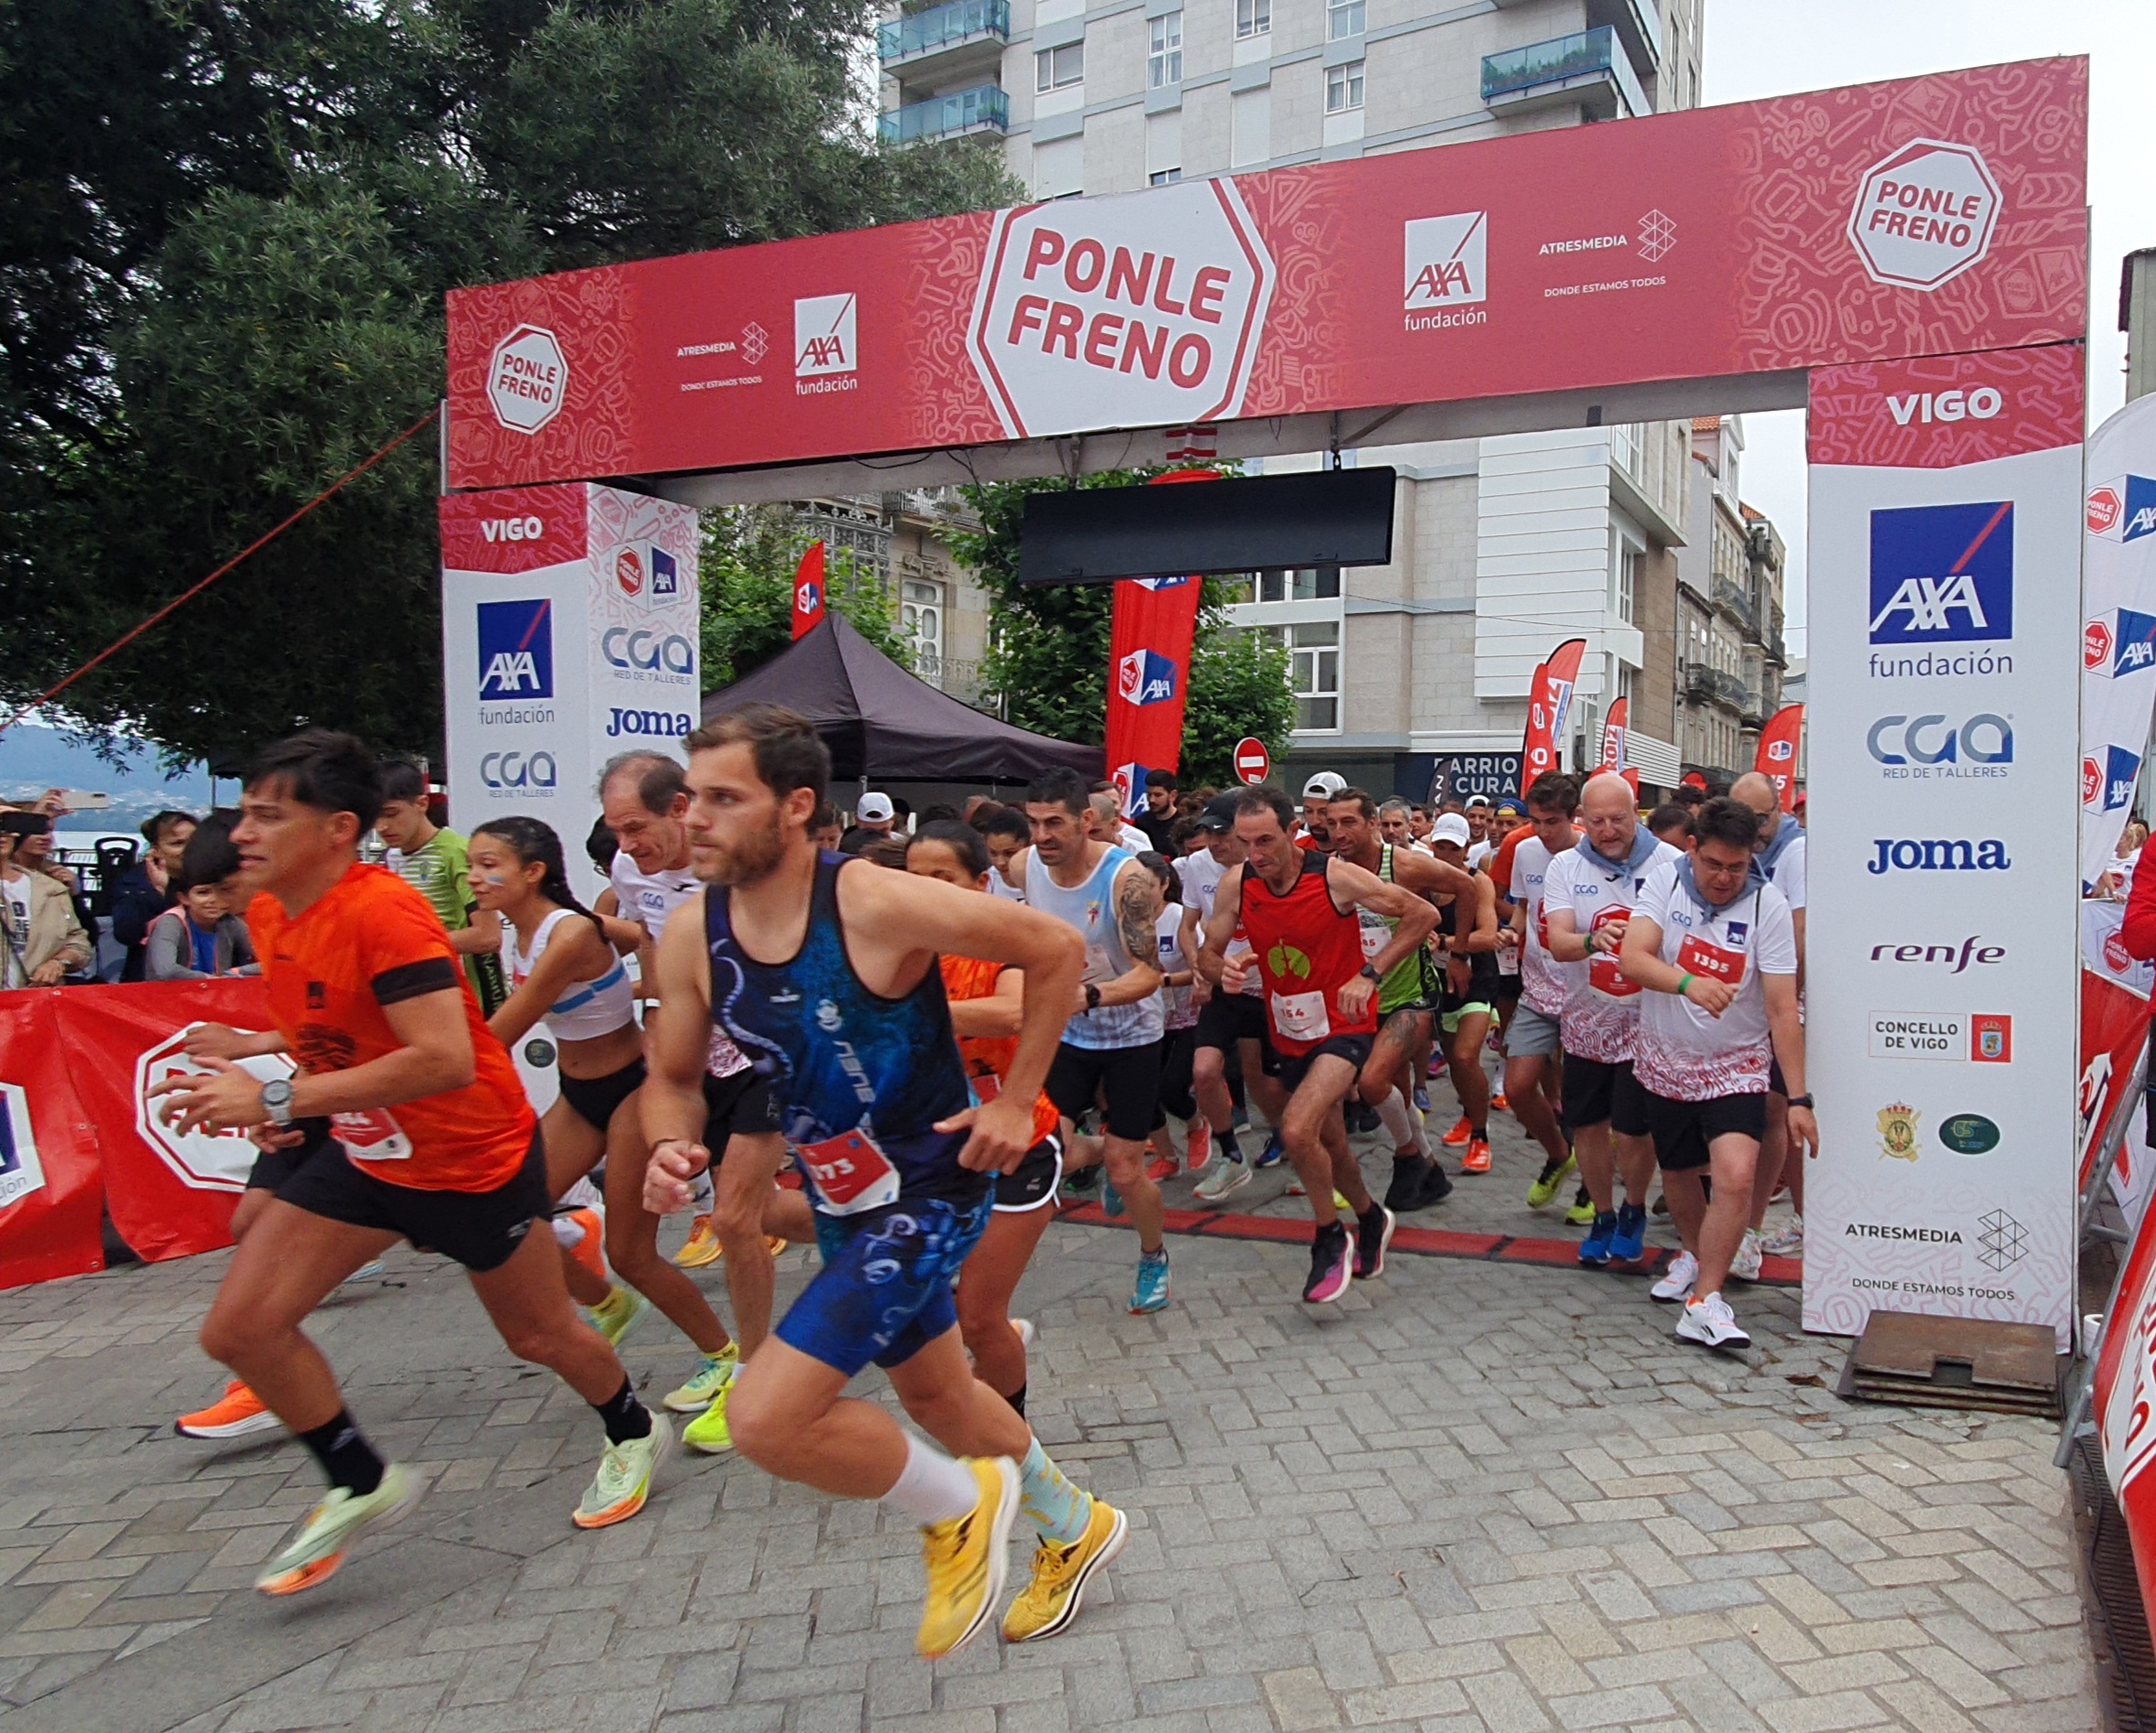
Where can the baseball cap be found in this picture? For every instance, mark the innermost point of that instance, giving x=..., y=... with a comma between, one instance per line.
x=1449, y=828
x=875, y=808
x=1475, y=800
x=1324, y=786
x=1219, y=814
x=1509, y=808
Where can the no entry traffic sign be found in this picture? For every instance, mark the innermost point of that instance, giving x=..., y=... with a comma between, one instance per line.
x=1253, y=762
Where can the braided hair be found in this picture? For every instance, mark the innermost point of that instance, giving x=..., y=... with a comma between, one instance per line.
x=530, y=840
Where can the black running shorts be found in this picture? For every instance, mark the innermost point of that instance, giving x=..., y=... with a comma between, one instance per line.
x=740, y=1105
x=1354, y=1048
x=480, y=1229
x=1126, y=1078
x=1596, y=1092
x=1683, y=1130
x=274, y=1167
x=1031, y=1184
x=594, y=1099
x=1228, y=1018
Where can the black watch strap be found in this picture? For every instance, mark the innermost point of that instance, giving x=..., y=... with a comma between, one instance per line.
x=1800, y=1101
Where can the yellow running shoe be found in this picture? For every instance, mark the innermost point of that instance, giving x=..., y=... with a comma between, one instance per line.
x=966, y=1559
x=332, y=1527
x=620, y=1312
x=1051, y=1600
x=701, y=1247
x=713, y=1376
x=1551, y=1176
x=707, y=1434
x=623, y=1483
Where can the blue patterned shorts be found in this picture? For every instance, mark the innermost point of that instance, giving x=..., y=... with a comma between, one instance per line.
x=884, y=1292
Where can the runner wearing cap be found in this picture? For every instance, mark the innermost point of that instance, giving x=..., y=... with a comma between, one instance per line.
x=1318, y=795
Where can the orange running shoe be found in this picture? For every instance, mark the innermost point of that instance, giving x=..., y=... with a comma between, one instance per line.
x=1461, y=1133
x=234, y=1415
x=1198, y=1151
x=1500, y=1104
x=1163, y=1167
x=701, y=1247
x=589, y=1251
x=1477, y=1159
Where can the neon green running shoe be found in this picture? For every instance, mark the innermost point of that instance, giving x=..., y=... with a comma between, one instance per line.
x=620, y=1312
x=1552, y=1175
x=333, y=1525
x=707, y=1432
x=713, y=1376
x=623, y=1483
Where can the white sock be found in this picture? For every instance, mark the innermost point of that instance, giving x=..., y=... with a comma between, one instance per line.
x=1392, y=1114
x=1414, y=1122
x=932, y=1487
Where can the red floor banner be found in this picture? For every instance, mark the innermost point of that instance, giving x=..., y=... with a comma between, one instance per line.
x=49, y=1167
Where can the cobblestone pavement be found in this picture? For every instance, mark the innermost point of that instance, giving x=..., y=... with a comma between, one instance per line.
x=1473, y=1495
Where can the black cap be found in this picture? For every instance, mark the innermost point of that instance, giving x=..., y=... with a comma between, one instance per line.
x=1219, y=814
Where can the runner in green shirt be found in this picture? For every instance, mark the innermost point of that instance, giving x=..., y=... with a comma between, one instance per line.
x=434, y=862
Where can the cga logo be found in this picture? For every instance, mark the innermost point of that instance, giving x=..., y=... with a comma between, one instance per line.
x=1941, y=856
x=512, y=529
x=516, y=650
x=824, y=335
x=1142, y=677
x=1447, y=259
x=518, y=770
x=2122, y=509
x=672, y=654
x=2106, y=783
x=1942, y=574
x=1982, y=739
x=1979, y=405
x=2118, y=641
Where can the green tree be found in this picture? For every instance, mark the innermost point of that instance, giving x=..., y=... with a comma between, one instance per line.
x=1048, y=656
x=748, y=558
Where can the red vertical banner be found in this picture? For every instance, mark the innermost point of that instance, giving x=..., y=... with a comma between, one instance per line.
x=808, y=591
x=1149, y=638
x=1776, y=757
x=50, y=1192
x=1613, y=744
x=1549, y=701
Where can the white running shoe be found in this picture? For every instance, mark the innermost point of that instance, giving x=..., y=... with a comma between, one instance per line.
x=1709, y=1322
x=1744, y=1266
x=1789, y=1243
x=1023, y=1327
x=1226, y=1178
x=1684, y=1270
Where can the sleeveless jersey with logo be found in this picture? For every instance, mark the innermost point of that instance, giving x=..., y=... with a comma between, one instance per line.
x=1307, y=950
x=860, y=1079
x=1090, y=908
x=587, y=1009
x=1412, y=981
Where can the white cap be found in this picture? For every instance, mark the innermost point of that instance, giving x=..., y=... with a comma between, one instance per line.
x=1450, y=827
x=1325, y=786
x=1475, y=800
x=875, y=808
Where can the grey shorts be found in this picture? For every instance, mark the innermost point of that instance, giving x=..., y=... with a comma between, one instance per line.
x=1530, y=1035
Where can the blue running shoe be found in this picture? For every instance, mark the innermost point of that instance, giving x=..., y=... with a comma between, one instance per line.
x=1594, y=1250
x=1629, y=1243
x=1111, y=1198
x=1422, y=1100
x=1272, y=1155
x=1151, y=1293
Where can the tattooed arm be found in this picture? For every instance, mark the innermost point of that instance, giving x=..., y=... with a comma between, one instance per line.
x=1137, y=907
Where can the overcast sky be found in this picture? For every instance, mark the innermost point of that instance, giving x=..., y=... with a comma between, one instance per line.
x=1771, y=47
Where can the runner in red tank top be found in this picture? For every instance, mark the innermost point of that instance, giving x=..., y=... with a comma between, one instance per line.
x=1299, y=910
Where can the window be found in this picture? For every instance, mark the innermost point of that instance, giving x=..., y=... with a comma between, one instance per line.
x=1344, y=86
x=1625, y=579
x=1253, y=18
x=1624, y=446
x=1344, y=17
x=1303, y=584
x=1059, y=69
x=1313, y=671
x=1164, y=58
x=1164, y=177
x=920, y=620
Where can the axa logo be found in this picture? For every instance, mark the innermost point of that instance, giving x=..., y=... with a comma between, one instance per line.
x=518, y=770
x=1980, y=405
x=516, y=650
x=1447, y=259
x=2107, y=779
x=1143, y=677
x=2122, y=509
x=1942, y=574
x=1984, y=738
x=1938, y=855
x=511, y=529
x=824, y=327
x=671, y=653
x=665, y=575
x=2118, y=641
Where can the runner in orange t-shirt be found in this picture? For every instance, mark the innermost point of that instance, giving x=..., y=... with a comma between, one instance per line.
x=987, y=1001
x=420, y=1131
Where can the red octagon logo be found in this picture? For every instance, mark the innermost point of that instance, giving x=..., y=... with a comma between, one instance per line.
x=2096, y=644
x=527, y=379
x=1142, y=310
x=204, y=1161
x=2104, y=507
x=1924, y=214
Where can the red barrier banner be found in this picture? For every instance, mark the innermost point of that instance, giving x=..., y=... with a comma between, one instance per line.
x=1549, y=701
x=1929, y=216
x=169, y=1195
x=1776, y=757
x=49, y=1171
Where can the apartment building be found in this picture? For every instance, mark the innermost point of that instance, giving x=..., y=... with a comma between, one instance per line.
x=1730, y=656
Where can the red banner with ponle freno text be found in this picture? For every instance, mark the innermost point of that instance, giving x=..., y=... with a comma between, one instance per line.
x=1549, y=701
x=48, y=1169
x=1776, y=757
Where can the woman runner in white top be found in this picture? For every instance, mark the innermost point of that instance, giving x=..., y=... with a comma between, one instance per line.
x=561, y=969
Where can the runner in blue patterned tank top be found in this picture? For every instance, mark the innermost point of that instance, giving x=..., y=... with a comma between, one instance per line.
x=825, y=970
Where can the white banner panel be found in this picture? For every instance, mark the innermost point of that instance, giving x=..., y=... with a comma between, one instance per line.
x=1940, y=870
x=568, y=635
x=2118, y=636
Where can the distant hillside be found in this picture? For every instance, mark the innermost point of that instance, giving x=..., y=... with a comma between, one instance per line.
x=34, y=757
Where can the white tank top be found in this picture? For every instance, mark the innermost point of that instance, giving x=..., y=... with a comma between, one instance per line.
x=587, y=1009
x=1087, y=907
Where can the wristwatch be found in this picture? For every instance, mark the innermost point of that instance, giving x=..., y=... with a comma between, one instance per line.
x=1092, y=995
x=1800, y=1101
x=1370, y=974
x=277, y=1100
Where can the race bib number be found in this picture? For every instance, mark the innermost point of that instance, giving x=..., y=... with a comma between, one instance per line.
x=1602, y=973
x=1711, y=961
x=850, y=1173
x=1301, y=1016
x=1376, y=936
x=372, y=1135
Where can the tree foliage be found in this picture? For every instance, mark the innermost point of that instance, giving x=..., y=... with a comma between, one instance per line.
x=748, y=558
x=1048, y=655
x=226, y=229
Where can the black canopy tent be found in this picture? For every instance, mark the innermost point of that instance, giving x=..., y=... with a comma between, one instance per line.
x=883, y=724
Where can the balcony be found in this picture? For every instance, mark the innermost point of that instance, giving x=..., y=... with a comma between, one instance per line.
x=1713, y=686
x=1587, y=70
x=945, y=41
x=1732, y=600
x=983, y=108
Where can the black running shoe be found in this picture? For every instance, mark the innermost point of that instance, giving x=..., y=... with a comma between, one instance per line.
x=1374, y=1232
x=1437, y=1186
x=1407, y=1185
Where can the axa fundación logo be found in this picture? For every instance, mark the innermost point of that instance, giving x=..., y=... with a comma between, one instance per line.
x=1446, y=267
x=825, y=348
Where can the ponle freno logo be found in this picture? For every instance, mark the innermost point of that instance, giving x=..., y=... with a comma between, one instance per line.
x=527, y=379
x=1447, y=265
x=1143, y=677
x=2123, y=509
x=2118, y=641
x=824, y=341
x=1924, y=214
x=1142, y=309
x=629, y=572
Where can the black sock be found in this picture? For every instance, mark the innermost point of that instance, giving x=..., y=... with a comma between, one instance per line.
x=1017, y=1401
x=346, y=1457
x=624, y=1416
x=1225, y=1141
x=1477, y=1131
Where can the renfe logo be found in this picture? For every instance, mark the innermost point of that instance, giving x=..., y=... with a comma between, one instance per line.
x=1942, y=574
x=1924, y=214
x=516, y=650
x=824, y=336
x=2123, y=509
x=1955, y=957
x=1144, y=309
x=1446, y=259
x=1143, y=677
